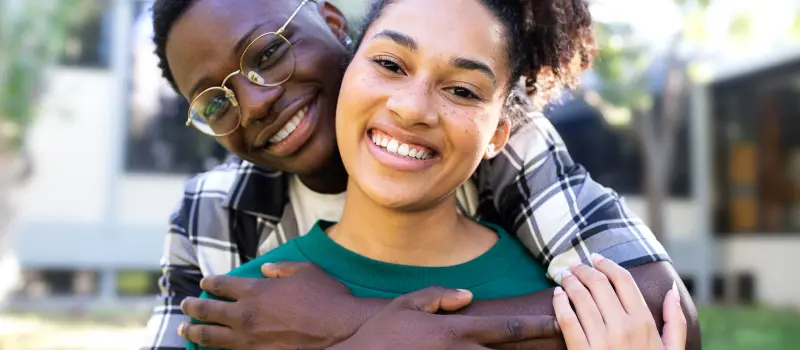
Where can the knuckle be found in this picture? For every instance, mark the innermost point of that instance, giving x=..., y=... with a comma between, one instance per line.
x=450, y=332
x=513, y=329
x=215, y=285
x=598, y=278
x=408, y=303
x=204, y=338
x=578, y=292
x=250, y=287
x=620, y=334
x=201, y=309
x=248, y=318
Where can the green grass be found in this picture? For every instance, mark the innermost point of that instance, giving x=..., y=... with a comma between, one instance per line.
x=749, y=328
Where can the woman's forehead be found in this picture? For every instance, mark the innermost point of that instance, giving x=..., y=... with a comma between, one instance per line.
x=447, y=27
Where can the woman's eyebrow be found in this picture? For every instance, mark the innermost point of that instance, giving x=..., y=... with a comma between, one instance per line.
x=472, y=64
x=399, y=38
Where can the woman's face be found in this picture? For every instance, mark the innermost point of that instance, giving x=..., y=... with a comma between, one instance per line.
x=422, y=100
x=205, y=45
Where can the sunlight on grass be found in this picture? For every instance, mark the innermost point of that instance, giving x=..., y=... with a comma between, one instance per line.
x=749, y=328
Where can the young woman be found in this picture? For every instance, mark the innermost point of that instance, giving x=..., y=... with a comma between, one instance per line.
x=419, y=108
x=288, y=173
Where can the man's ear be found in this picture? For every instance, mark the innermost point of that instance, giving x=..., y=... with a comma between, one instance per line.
x=334, y=18
x=498, y=140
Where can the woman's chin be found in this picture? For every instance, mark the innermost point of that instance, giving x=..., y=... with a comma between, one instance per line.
x=395, y=198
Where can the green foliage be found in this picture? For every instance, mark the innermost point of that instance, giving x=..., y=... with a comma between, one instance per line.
x=621, y=63
x=749, y=328
x=32, y=37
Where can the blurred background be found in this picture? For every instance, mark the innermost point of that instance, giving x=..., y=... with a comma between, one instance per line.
x=692, y=112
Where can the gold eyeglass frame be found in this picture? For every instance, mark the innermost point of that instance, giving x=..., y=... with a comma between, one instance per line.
x=251, y=76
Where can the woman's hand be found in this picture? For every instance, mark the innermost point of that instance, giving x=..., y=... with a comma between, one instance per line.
x=611, y=313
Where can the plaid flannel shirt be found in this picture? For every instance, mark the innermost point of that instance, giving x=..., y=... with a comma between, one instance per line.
x=237, y=211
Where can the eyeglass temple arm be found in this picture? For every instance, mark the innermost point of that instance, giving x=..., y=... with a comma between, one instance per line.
x=297, y=10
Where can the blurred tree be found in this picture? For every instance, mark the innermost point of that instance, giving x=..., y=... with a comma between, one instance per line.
x=32, y=35
x=644, y=90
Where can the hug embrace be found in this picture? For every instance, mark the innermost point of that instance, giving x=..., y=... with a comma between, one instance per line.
x=400, y=189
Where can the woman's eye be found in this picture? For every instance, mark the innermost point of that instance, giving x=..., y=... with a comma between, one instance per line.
x=389, y=65
x=463, y=93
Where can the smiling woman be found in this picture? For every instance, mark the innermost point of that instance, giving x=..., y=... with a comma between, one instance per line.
x=422, y=103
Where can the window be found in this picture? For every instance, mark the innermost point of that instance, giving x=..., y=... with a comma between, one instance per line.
x=158, y=141
x=757, y=151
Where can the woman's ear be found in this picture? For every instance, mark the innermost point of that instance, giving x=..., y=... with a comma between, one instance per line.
x=335, y=19
x=498, y=140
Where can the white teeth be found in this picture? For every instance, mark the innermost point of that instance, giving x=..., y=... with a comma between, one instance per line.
x=396, y=147
x=403, y=150
x=290, y=127
x=392, y=146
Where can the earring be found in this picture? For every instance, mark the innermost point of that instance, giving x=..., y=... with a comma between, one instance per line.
x=347, y=41
x=490, y=151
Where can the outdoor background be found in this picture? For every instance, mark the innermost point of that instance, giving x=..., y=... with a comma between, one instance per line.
x=692, y=113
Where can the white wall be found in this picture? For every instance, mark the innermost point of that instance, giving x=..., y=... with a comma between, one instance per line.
x=73, y=213
x=771, y=260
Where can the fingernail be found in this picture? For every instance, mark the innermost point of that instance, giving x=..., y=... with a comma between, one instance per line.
x=558, y=291
x=565, y=274
x=558, y=327
x=464, y=291
x=674, y=290
x=268, y=265
x=596, y=258
x=180, y=328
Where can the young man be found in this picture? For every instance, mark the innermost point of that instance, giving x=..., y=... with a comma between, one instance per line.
x=285, y=121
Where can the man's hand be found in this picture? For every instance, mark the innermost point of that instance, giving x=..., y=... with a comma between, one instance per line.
x=409, y=322
x=303, y=309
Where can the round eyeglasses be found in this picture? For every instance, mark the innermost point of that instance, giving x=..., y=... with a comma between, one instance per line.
x=269, y=60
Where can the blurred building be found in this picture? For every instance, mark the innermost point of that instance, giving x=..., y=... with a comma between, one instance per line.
x=733, y=219
x=111, y=152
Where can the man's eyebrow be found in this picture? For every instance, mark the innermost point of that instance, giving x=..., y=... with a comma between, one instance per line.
x=399, y=38
x=238, y=47
x=245, y=39
x=471, y=64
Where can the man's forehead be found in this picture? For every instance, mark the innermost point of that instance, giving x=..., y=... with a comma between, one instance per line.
x=205, y=39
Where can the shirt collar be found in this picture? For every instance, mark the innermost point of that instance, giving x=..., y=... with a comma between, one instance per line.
x=257, y=190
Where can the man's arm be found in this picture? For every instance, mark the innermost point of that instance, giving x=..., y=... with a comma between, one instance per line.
x=180, y=278
x=654, y=281
x=535, y=189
